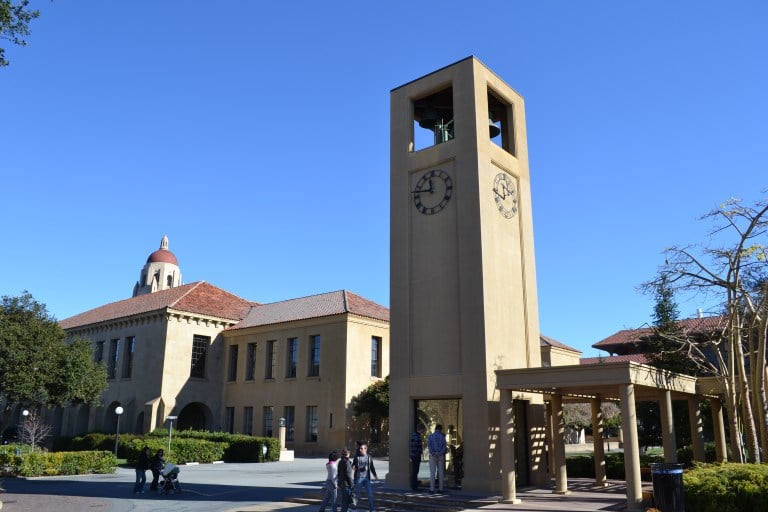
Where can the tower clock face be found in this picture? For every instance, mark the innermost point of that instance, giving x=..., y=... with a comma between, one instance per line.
x=432, y=192
x=505, y=194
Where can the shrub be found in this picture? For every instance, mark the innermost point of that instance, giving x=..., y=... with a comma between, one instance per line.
x=726, y=487
x=38, y=463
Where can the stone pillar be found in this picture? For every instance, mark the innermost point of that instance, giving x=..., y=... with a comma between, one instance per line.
x=718, y=427
x=597, y=442
x=507, y=438
x=631, y=448
x=697, y=429
x=667, y=426
x=558, y=426
x=550, y=442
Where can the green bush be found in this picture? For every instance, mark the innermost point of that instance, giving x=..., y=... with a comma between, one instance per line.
x=685, y=454
x=39, y=463
x=186, y=446
x=726, y=487
x=583, y=466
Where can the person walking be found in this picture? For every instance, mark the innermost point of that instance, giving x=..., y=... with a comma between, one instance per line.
x=331, y=482
x=416, y=450
x=156, y=466
x=142, y=465
x=364, y=473
x=437, y=448
x=346, y=480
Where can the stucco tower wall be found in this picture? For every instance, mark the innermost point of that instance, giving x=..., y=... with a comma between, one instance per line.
x=463, y=290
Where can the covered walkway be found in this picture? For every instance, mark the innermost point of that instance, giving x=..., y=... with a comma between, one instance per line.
x=624, y=382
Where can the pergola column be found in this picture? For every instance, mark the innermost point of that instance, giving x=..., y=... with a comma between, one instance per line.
x=718, y=427
x=597, y=442
x=558, y=424
x=550, y=434
x=507, y=441
x=697, y=428
x=631, y=448
x=667, y=426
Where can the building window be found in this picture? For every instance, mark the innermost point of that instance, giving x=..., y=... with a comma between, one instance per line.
x=269, y=413
x=314, y=355
x=289, y=413
x=375, y=356
x=232, y=371
x=229, y=420
x=311, y=423
x=98, y=353
x=114, y=348
x=130, y=345
x=269, y=372
x=199, y=349
x=292, y=358
x=250, y=362
x=248, y=421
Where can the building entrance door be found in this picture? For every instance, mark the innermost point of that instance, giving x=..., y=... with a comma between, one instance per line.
x=446, y=412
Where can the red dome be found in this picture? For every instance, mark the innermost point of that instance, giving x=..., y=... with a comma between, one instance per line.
x=162, y=256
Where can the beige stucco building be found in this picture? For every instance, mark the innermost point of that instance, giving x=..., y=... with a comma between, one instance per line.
x=217, y=361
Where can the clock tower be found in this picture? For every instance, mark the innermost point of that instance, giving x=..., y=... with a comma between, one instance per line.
x=463, y=282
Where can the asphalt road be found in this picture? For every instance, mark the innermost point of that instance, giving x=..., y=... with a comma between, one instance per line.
x=206, y=487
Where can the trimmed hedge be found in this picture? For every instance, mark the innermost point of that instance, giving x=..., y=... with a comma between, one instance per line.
x=38, y=463
x=186, y=446
x=583, y=466
x=726, y=487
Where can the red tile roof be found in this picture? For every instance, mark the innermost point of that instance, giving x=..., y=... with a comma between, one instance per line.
x=637, y=358
x=547, y=341
x=634, y=336
x=314, y=306
x=200, y=298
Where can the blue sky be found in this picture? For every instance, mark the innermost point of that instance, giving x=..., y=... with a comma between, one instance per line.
x=255, y=135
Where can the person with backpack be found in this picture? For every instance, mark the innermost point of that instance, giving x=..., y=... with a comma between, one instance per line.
x=364, y=473
x=346, y=481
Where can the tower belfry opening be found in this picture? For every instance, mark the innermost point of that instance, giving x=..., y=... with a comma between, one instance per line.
x=435, y=113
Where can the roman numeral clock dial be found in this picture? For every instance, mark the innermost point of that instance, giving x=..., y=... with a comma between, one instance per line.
x=505, y=195
x=432, y=192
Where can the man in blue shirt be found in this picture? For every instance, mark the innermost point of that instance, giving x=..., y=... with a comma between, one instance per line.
x=437, y=448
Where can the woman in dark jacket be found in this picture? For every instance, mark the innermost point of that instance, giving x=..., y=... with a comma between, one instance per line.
x=157, y=465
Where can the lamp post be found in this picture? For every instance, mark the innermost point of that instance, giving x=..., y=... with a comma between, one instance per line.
x=118, y=411
x=22, y=435
x=170, y=419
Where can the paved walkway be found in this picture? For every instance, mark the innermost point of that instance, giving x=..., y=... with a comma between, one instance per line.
x=251, y=488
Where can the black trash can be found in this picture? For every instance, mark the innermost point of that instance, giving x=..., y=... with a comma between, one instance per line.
x=668, y=495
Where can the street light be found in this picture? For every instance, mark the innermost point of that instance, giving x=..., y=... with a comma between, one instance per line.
x=25, y=414
x=118, y=411
x=170, y=430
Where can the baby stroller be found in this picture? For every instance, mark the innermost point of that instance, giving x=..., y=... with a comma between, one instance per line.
x=170, y=480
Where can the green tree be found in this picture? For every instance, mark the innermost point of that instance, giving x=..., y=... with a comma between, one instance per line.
x=373, y=401
x=664, y=348
x=14, y=23
x=38, y=368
